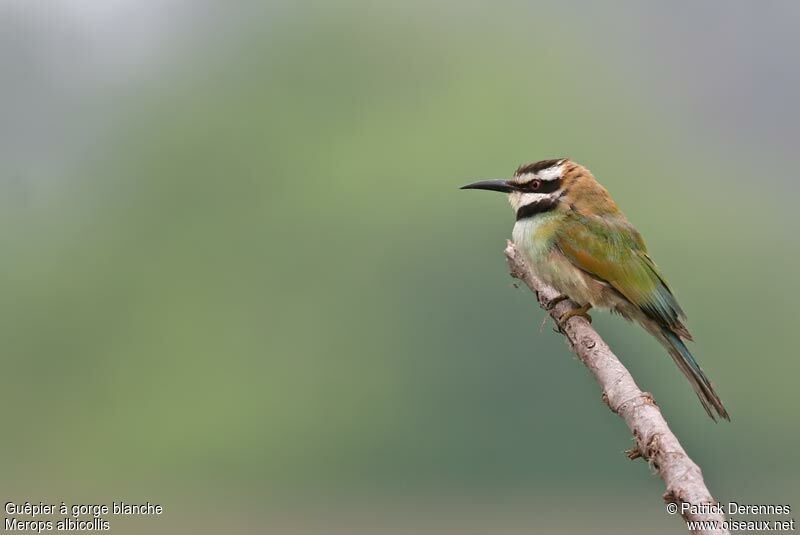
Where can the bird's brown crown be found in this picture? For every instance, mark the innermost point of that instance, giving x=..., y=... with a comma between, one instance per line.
x=535, y=167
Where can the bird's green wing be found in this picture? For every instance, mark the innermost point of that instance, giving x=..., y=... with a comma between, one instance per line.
x=611, y=250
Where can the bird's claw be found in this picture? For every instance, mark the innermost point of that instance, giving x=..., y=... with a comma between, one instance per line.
x=580, y=311
x=556, y=300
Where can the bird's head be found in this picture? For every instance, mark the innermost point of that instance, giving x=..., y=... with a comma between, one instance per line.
x=549, y=184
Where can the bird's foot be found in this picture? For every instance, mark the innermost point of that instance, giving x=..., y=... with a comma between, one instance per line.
x=580, y=311
x=556, y=300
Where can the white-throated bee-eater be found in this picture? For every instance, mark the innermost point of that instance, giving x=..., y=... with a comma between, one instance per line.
x=575, y=238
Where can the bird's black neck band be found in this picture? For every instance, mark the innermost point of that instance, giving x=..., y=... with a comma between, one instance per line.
x=537, y=207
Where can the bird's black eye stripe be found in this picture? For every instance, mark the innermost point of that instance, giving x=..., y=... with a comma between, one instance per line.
x=540, y=186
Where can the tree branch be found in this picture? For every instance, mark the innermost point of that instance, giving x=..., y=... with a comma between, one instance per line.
x=655, y=442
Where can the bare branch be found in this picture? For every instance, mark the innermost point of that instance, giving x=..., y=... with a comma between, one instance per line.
x=655, y=442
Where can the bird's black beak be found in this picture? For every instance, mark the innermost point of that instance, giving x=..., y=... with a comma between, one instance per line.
x=492, y=185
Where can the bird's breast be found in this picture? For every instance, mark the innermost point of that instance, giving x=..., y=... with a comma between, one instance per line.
x=535, y=237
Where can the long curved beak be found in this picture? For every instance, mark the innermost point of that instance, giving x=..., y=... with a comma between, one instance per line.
x=492, y=185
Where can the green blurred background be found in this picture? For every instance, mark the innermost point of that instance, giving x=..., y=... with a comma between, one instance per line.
x=239, y=278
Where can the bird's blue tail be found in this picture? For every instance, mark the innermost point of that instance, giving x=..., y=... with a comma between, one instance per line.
x=692, y=370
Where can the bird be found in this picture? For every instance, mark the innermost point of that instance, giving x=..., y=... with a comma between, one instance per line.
x=574, y=237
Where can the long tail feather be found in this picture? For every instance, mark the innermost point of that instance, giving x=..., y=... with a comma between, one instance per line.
x=692, y=370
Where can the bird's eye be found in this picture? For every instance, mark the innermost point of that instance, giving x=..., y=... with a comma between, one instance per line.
x=535, y=184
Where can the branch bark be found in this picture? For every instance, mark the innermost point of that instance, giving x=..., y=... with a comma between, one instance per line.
x=655, y=442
